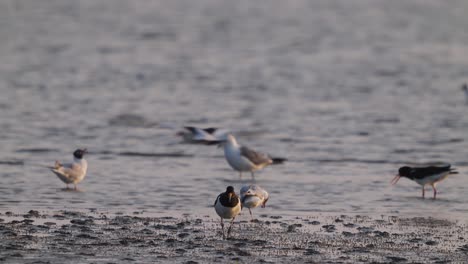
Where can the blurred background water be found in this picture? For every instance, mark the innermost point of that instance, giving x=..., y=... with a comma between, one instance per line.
x=348, y=91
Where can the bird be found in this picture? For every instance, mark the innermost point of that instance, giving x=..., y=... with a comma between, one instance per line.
x=227, y=206
x=203, y=136
x=244, y=159
x=253, y=196
x=431, y=174
x=465, y=89
x=74, y=172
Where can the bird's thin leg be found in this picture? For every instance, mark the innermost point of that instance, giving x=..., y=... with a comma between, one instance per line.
x=230, y=226
x=75, y=186
x=222, y=228
x=435, y=191
x=251, y=216
x=67, y=186
x=253, y=175
x=240, y=175
x=423, y=192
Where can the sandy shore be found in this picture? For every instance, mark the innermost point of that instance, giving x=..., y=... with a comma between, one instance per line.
x=86, y=237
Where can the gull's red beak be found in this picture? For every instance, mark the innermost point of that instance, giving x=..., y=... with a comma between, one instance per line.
x=395, y=180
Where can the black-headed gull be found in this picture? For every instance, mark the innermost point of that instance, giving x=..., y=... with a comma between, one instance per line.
x=205, y=136
x=431, y=174
x=242, y=158
x=253, y=196
x=227, y=206
x=73, y=172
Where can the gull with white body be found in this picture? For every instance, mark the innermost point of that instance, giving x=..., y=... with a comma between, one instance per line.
x=72, y=173
x=203, y=136
x=253, y=196
x=244, y=159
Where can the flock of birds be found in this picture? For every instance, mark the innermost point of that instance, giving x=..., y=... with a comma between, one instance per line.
x=243, y=159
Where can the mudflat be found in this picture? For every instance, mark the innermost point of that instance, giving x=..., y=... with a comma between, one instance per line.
x=93, y=236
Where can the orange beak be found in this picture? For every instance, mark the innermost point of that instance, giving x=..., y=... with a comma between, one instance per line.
x=395, y=180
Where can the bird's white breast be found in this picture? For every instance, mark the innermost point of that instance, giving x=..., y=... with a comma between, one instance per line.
x=235, y=159
x=252, y=201
x=227, y=212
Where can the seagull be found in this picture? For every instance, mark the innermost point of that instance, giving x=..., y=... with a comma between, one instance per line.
x=252, y=196
x=431, y=174
x=242, y=158
x=227, y=206
x=206, y=136
x=74, y=172
x=465, y=89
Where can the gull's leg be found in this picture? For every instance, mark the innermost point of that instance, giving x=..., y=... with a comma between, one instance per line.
x=230, y=226
x=423, y=192
x=251, y=216
x=67, y=186
x=75, y=186
x=253, y=176
x=222, y=228
x=240, y=175
x=435, y=191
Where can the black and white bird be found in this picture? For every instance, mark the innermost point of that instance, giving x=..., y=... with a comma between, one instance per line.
x=227, y=206
x=203, y=136
x=253, y=196
x=465, y=90
x=244, y=159
x=72, y=173
x=431, y=174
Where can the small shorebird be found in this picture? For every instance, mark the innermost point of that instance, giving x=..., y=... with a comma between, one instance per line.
x=227, y=206
x=74, y=172
x=465, y=89
x=252, y=196
x=242, y=158
x=206, y=136
x=431, y=175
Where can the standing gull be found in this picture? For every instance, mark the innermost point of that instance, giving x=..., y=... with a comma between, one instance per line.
x=252, y=196
x=227, y=206
x=206, y=136
x=73, y=172
x=431, y=175
x=242, y=158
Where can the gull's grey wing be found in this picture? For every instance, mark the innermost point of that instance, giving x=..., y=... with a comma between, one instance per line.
x=255, y=157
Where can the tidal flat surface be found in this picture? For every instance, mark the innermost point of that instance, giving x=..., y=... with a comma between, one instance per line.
x=82, y=237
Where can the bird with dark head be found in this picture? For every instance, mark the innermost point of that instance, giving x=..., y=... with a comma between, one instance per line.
x=79, y=153
x=424, y=175
x=72, y=173
x=227, y=206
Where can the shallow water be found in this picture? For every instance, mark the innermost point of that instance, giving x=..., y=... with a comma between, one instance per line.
x=348, y=91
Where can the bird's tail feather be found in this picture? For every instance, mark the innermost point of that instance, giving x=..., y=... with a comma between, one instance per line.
x=278, y=160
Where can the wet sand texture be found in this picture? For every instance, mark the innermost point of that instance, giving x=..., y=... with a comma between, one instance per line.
x=79, y=237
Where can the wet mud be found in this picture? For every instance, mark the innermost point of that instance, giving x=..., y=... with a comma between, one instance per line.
x=93, y=236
